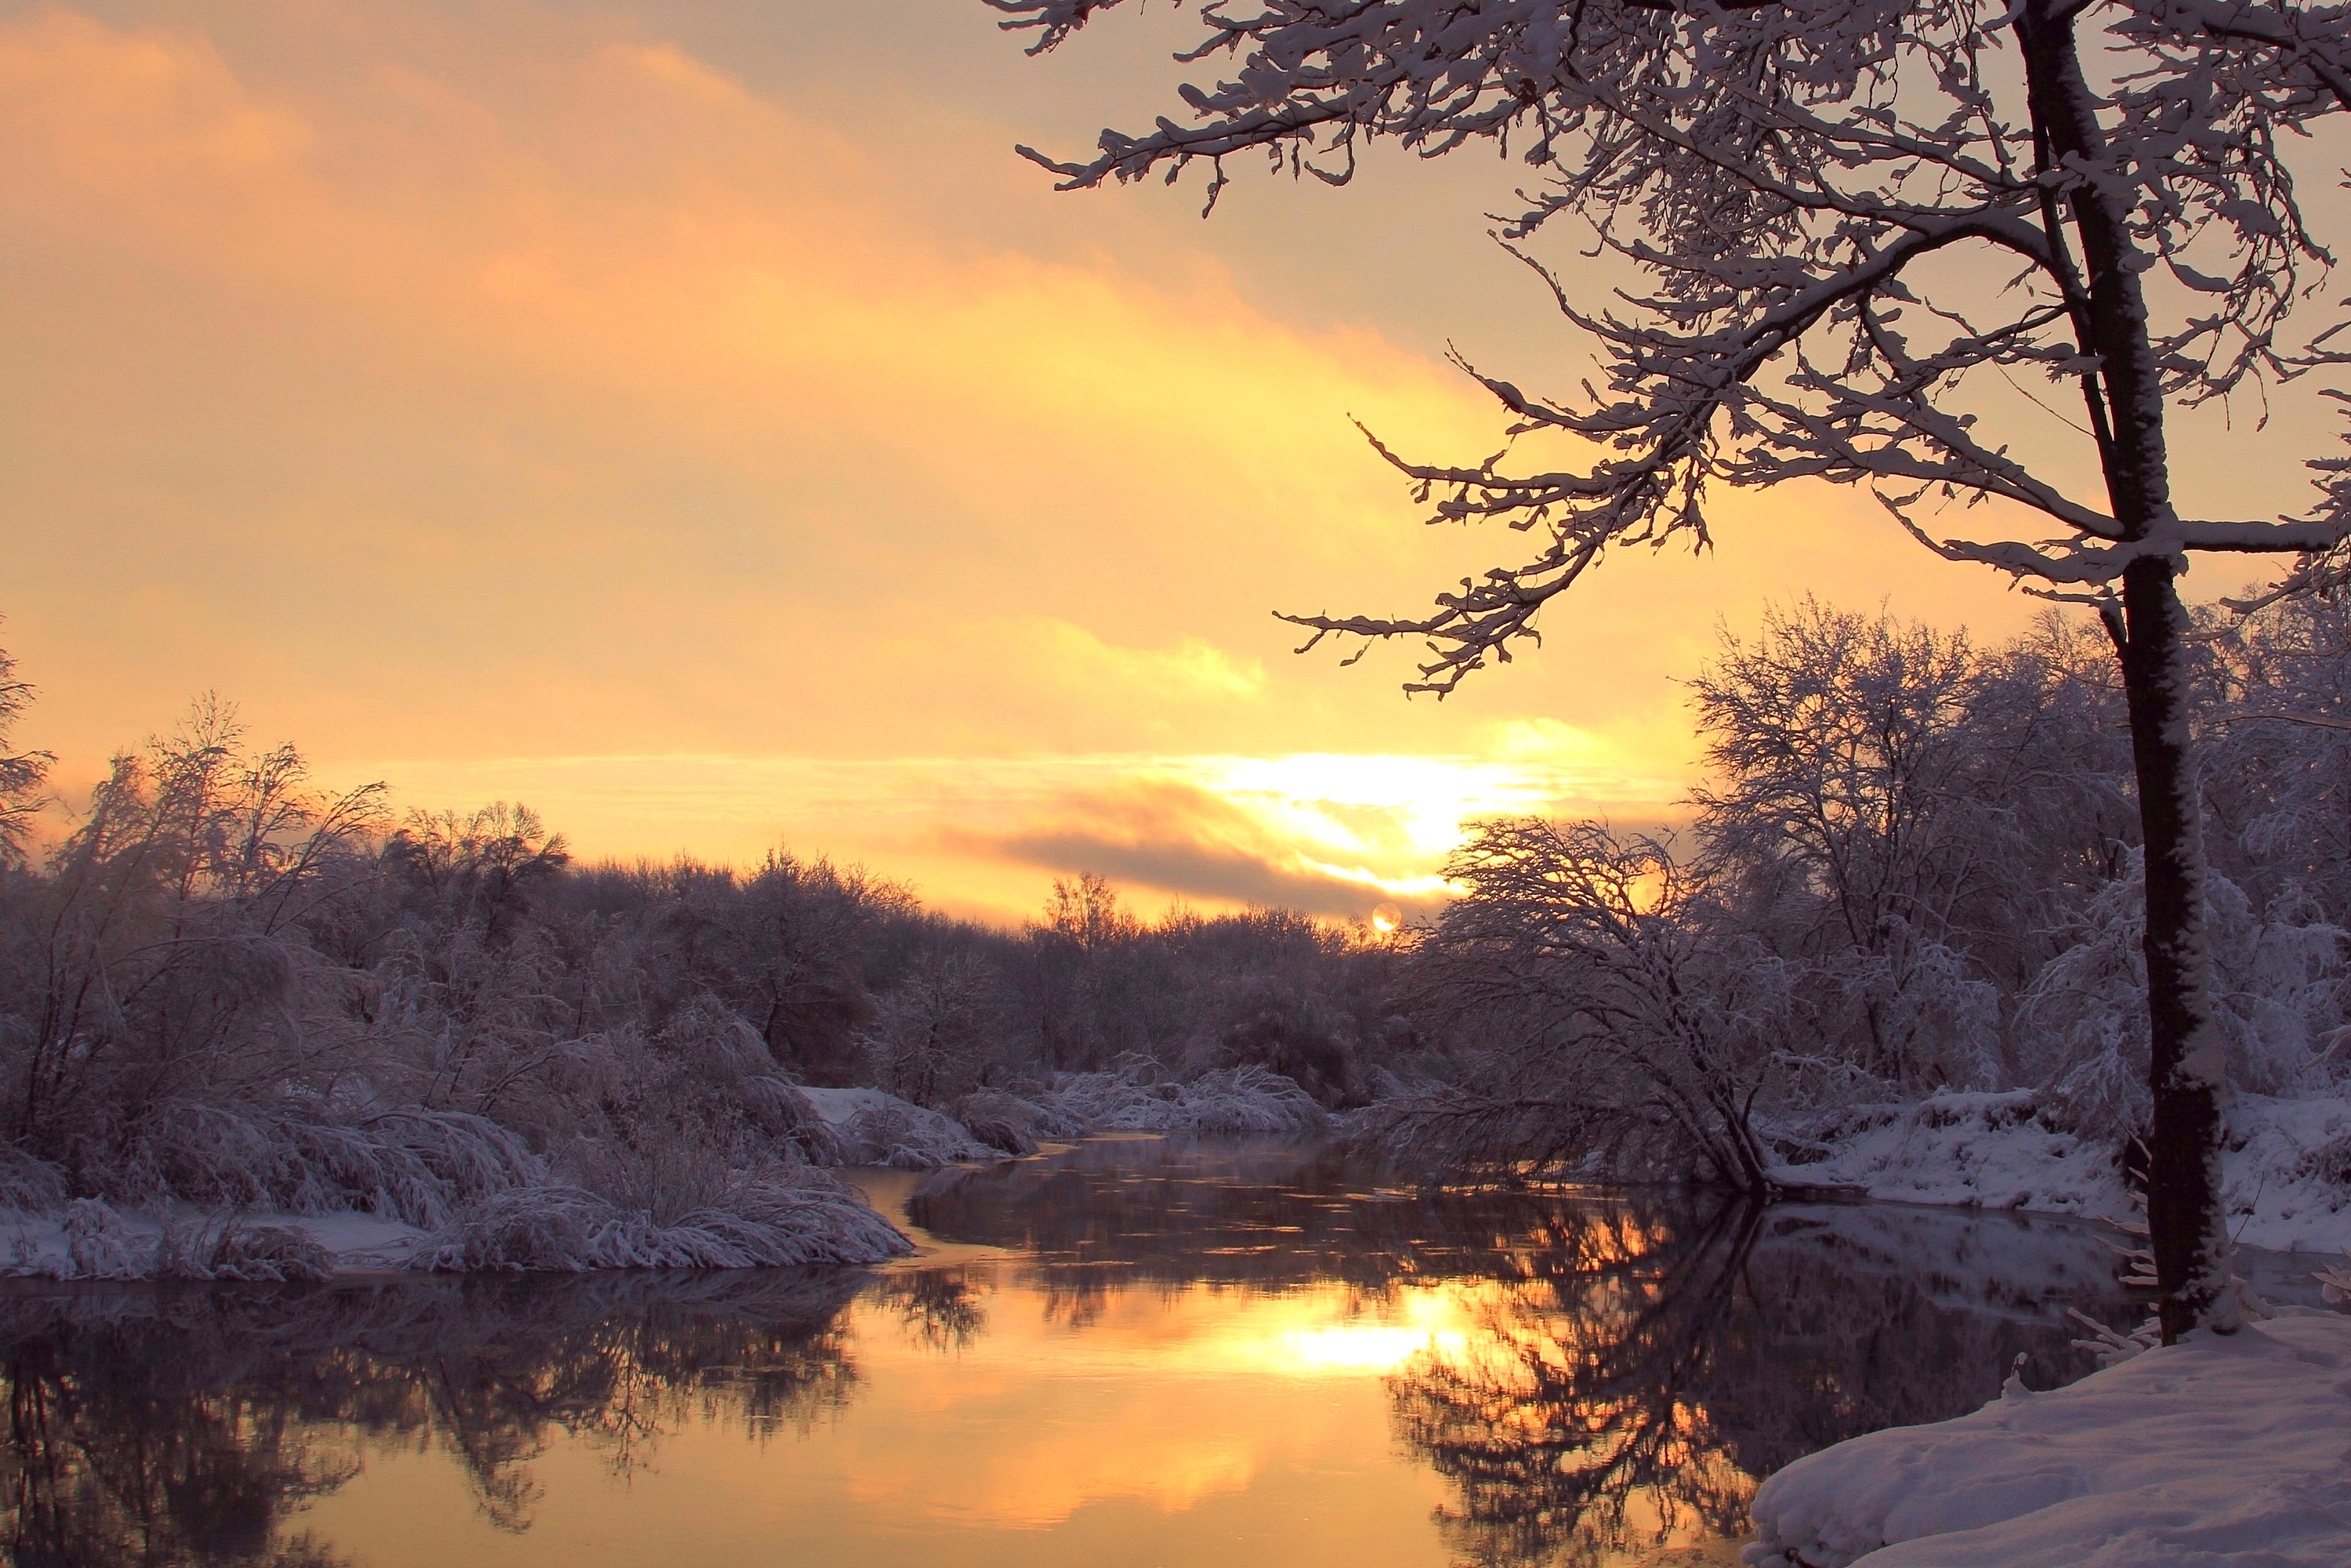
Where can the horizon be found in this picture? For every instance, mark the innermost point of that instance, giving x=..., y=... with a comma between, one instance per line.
x=644, y=414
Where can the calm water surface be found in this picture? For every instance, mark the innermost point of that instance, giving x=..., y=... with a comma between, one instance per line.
x=1134, y=1352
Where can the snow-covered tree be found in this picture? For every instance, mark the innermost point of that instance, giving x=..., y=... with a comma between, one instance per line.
x=22, y=773
x=1804, y=183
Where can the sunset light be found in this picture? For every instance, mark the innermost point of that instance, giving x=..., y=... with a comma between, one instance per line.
x=1227, y=783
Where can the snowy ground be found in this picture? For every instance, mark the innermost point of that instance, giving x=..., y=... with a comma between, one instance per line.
x=2287, y=1173
x=2220, y=1450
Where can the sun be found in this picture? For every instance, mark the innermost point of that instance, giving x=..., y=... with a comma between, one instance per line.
x=1387, y=919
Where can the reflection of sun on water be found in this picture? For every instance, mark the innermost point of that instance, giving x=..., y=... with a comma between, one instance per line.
x=1359, y=1347
x=1340, y=1338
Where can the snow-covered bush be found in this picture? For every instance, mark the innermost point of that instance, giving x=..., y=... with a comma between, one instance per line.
x=2279, y=986
x=934, y=1034
x=1248, y=1099
x=1004, y=1121
x=769, y=1219
x=878, y=1129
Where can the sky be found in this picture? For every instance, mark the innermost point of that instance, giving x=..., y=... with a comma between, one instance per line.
x=693, y=420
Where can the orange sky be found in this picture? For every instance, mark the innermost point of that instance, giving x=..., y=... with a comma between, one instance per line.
x=693, y=420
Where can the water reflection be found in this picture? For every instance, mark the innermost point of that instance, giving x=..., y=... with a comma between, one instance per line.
x=1187, y=1345
x=185, y=1424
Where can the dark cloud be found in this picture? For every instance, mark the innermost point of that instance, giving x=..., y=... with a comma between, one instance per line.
x=1176, y=838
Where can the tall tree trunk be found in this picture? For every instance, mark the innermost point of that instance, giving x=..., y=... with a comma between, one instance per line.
x=2188, y=1065
x=2187, y=1071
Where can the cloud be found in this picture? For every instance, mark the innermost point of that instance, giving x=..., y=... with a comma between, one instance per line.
x=1174, y=837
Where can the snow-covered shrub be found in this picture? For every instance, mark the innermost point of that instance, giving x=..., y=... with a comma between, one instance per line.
x=1291, y=1030
x=771, y=1220
x=1247, y=1099
x=934, y=1031
x=2279, y=978
x=1002, y=1121
x=229, y=1248
x=97, y=1245
x=878, y=1129
x=415, y=1166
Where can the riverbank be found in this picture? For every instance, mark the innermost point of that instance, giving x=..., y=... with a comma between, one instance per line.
x=2286, y=1175
x=2223, y=1449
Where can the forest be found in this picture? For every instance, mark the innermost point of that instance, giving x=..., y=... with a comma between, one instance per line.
x=1906, y=894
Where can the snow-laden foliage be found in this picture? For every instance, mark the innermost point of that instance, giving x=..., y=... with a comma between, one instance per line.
x=878, y=1129
x=1620, y=1030
x=100, y=1244
x=2279, y=978
x=1911, y=890
x=1134, y=1099
x=795, y=1215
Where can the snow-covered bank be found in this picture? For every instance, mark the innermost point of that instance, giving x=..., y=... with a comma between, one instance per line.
x=792, y=1216
x=2286, y=1174
x=474, y=1198
x=2218, y=1451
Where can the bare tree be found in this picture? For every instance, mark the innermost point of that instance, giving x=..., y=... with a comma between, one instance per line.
x=1802, y=182
x=1630, y=1029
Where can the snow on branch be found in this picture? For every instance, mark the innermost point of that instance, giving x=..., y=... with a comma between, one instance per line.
x=1782, y=173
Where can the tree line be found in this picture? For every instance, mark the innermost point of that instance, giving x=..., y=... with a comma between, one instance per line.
x=227, y=986
x=1915, y=867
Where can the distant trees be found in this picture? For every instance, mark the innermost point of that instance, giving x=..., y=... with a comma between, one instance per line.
x=1851, y=218
x=1914, y=866
x=226, y=986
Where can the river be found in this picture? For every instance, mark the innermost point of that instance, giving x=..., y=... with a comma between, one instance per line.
x=1131, y=1351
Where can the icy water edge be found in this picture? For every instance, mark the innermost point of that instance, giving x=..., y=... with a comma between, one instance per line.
x=1132, y=1352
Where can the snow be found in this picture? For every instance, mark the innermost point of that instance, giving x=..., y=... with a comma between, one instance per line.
x=1245, y=1099
x=2285, y=1177
x=794, y=1215
x=1973, y=1150
x=2221, y=1449
x=879, y=1129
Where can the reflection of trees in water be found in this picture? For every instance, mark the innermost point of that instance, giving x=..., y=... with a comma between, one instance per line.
x=938, y=1307
x=1643, y=1357
x=170, y=1426
x=1620, y=1396
x=1261, y=1216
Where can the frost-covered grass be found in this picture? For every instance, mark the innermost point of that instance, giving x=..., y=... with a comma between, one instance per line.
x=2218, y=1451
x=2286, y=1175
x=877, y=1129
x=788, y=1215
x=1245, y=1099
x=793, y=1215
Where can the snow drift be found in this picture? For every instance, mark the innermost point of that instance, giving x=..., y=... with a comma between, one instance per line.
x=2219, y=1449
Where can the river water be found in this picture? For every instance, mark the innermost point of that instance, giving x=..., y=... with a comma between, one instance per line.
x=1132, y=1352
